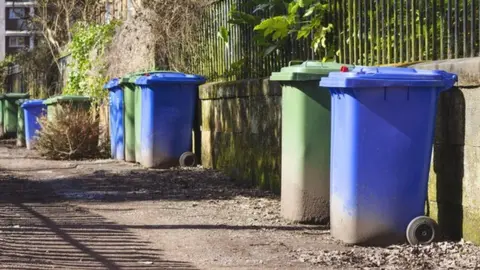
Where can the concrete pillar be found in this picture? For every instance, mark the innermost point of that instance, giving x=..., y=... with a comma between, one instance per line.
x=2, y=29
x=32, y=36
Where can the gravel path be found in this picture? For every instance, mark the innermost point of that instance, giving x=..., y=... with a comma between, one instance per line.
x=113, y=215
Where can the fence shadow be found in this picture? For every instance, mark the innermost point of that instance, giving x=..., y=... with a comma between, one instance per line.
x=39, y=233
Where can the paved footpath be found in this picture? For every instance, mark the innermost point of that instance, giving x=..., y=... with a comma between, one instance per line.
x=112, y=215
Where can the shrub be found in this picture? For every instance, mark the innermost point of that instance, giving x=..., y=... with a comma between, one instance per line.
x=72, y=134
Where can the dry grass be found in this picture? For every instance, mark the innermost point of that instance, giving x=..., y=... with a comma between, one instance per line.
x=73, y=134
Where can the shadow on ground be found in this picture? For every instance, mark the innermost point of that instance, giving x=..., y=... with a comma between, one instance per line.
x=39, y=233
x=175, y=184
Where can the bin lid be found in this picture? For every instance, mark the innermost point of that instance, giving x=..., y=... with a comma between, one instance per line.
x=306, y=71
x=132, y=77
x=167, y=77
x=363, y=77
x=17, y=95
x=20, y=101
x=112, y=84
x=32, y=103
x=66, y=98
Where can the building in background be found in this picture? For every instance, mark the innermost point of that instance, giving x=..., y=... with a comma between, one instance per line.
x=15, y=33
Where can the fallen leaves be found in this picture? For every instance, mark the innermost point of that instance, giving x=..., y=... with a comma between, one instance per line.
x=444, y=255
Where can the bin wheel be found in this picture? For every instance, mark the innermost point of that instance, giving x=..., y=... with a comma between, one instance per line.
x=188, y=159
x=422, y=231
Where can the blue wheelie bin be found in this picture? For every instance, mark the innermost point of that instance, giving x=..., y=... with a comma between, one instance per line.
x=167, y=115
x=117, y=128
x=32, y=110
x=383, y=122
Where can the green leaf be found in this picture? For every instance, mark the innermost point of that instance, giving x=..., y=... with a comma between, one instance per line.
x=278, y=26
x=304, y=3
x=304, y=32
x=309, y=12
x=293, y=8
x=223, y=34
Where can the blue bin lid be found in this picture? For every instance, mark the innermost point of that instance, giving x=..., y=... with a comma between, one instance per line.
x=112, y=84
x=33, y=103
x=169, y=77
x=368, y=77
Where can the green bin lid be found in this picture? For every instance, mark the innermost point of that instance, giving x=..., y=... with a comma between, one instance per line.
x=67, y=98
x=21, y=101
x=16, y=95
x=132, y=77
x=306, y=71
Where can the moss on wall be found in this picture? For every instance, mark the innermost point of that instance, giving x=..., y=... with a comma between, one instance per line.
x=240, y=123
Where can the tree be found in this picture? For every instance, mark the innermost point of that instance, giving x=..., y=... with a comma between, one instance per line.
x=55, y=20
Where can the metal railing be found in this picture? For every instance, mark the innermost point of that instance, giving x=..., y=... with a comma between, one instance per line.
x=366, y=32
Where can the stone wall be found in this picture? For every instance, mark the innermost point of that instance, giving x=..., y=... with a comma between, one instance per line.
x=241, y=136
x=240, y=130
x=454, y=186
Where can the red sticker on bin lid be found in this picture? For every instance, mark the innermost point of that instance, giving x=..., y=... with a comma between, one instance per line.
x=344, y=69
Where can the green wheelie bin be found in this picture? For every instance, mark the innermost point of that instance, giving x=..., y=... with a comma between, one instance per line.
x=132, y=103
x=129, y=96
x=2, y=126
x=55, y=104
x=20, y=124
x=10, y=113
x=305, y=141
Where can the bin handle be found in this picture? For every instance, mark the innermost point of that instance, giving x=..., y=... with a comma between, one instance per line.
x=295, y=62
x=161, y=71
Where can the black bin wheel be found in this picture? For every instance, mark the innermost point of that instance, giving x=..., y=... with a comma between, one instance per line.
x=422, y=231
x=188, y=159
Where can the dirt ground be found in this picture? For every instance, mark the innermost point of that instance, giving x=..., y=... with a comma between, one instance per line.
x=113, y=215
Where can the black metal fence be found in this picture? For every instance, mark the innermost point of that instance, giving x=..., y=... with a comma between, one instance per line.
x=366, y=32
x=391, y=31
x=241, y=58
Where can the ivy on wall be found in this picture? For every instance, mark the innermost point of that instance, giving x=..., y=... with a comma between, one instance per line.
x=88, y=67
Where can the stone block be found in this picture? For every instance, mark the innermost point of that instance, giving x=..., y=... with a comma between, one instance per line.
x=239, y=89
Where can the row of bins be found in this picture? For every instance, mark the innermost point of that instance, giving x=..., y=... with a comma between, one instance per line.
x=19, y=115
x=356, y=149
x=356, y=141
x=151, y=118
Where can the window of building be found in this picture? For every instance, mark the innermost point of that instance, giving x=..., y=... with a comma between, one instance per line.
x=16, y=13
x=16, y=42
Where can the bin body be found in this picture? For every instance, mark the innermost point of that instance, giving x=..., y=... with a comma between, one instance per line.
x=383, y=122
x=10, y=113
x=132, y=113
x=57, y=103
x=33, y=110
x=138, y=122
x=129, y=116
x=305, y=142
x=20, y=124
x=117, y=129
x=167, y=114
x=2, y=102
